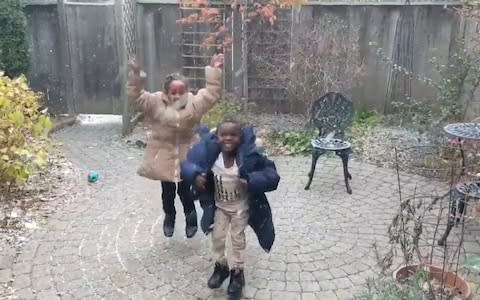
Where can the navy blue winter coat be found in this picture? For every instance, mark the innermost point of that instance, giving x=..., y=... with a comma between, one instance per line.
x=259, y=172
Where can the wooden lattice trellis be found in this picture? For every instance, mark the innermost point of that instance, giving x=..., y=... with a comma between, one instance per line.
x=126, y=17
x=129, y=28
x=194, y=55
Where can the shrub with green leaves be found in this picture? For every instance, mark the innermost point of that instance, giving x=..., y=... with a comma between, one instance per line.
x=386, y=288
x=225, y=108
x=359, y=132
x=472, y=264
x=23, y=132
x=14, y=57
x=292, y=142
x=363, y=120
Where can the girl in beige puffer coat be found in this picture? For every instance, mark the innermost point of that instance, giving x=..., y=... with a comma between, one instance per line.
x=174, y=115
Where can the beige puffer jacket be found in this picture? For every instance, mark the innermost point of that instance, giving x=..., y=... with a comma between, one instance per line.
x=173, y=131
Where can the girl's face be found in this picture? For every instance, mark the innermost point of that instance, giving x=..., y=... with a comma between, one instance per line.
x=176, y=90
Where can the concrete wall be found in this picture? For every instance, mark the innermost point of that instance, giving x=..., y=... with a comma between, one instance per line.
x=46, y=61
x=91, y=36
x=158, y=42
x=160, y=48
x=409, y=35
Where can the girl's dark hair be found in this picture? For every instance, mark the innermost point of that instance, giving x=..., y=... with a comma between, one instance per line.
x=173, y=77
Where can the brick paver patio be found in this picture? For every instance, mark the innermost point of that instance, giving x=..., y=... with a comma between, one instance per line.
x=109, y=242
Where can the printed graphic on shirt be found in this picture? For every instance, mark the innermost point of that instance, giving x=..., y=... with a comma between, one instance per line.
x=226, y=188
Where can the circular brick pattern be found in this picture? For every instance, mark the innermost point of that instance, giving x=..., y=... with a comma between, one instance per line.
x=109, y=243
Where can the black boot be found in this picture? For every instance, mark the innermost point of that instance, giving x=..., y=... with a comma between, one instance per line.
x=168, y=225
x=191, y=227
x=237, y=282
x=220, y=273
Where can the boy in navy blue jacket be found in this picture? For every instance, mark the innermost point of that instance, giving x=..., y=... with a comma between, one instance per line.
x=231, y=178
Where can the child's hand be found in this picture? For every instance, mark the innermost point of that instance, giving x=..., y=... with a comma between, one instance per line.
x=136, y=77
x=217, y=60
x=201, y=182
x=134, y=66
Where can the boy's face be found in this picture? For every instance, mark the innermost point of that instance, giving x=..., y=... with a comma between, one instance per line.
x=229, y=135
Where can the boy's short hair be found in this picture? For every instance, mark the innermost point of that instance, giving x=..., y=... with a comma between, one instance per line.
x=231, y=119
x=173, y=77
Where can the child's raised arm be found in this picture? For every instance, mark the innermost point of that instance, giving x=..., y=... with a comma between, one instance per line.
x=207, y=97
x=137, y=78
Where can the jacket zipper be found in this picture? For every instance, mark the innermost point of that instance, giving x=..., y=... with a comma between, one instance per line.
x=177, y=148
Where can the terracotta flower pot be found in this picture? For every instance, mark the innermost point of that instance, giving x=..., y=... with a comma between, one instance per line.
x=450, y=279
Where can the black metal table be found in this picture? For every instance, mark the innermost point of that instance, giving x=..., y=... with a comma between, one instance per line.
x=463, y=131
x=463, y=192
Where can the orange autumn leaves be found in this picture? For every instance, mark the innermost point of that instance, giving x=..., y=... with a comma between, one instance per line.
x=207, y=15
x=221, y=37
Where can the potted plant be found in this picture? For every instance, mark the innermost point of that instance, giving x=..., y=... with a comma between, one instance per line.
x=435, y=283
x=422, y=275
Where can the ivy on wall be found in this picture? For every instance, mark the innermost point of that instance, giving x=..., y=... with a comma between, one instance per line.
x=14, y=56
